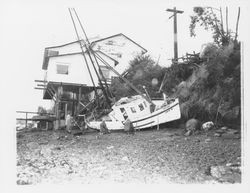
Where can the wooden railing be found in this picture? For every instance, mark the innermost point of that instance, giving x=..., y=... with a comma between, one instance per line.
x=26, y=119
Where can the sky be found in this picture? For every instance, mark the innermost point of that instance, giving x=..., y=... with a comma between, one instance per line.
x=30, y=26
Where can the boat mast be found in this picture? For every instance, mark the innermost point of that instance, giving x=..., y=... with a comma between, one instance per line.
x=107, y=91
x=92, y=62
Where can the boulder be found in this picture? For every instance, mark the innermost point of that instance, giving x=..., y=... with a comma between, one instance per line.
x=192, y=125
x=217, y=134
x=220, y=171
x=226, y=173
x=208, y=140
x=188, y=133
x=207, y=126
x=46, y=151
x=32, y=145
x=224, y=128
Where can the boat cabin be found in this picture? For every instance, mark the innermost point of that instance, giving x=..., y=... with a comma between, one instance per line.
x=132, y=108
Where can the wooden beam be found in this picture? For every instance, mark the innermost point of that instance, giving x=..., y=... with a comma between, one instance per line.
x=39, y=88
x=175, y=10
x=34, y=112
x=41, y=81
x=43, y=85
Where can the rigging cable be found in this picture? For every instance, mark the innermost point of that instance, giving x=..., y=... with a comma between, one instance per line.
x=84, y=57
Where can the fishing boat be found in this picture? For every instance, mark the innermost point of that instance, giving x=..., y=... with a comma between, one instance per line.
x=140, y=112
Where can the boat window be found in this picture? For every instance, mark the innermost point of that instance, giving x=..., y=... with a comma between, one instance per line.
x=145, y=103
x=122, y=110
x=124, y=113
x=133, y=109
x=141, y=107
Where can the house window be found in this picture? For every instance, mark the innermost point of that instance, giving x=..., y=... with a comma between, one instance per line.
x=141, y=107
x=133, y=110
x=62, y=69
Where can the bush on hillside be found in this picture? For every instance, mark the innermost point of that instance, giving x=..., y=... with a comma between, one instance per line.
x=142, y=72
x=220, y=88
x=175, y=75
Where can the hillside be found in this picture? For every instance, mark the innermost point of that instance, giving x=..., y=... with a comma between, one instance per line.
x=213, y=90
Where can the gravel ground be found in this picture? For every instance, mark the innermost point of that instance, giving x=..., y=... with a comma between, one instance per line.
x=164, y=156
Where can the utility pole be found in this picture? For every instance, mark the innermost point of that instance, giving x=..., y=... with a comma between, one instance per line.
x=175, y=11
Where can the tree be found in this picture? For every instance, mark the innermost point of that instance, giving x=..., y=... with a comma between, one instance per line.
x=142, y=72
x=207, y=18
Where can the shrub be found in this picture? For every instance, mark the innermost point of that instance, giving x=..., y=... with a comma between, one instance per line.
x=142, y=72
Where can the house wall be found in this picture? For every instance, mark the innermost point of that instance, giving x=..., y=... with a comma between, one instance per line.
x=77, y=70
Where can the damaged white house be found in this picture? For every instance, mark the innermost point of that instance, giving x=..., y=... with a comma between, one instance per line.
x=73, y=75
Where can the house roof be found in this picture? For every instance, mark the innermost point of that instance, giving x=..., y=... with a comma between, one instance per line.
x=51, y=47
x=120, y=34
x=48, y=52
x=46, y=57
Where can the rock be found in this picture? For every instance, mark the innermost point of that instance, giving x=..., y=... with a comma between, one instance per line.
x=233, y=131
x=232, y=164
x=43, y=142
x=46, y=151
x=125, y=158
x=228, y=80
x=32, y=145
x=24, y=181
x=55, y=136
x=110, y=147
x=188, y=133
x=220, y=171
x=224, y=128
x=226, y=174
x=207, y=171
x=207, y=126
x=192, y=125
x=207, y=140
x=217, y=134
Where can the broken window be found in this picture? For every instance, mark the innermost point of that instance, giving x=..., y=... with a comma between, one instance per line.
x=62, y=69
x=105, y=72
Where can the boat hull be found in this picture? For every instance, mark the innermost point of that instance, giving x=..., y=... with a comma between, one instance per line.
x=164, y=114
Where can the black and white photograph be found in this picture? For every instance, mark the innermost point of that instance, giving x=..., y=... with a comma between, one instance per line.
x=119, y=92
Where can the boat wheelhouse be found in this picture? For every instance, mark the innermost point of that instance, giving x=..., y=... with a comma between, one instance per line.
x=140, y=112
